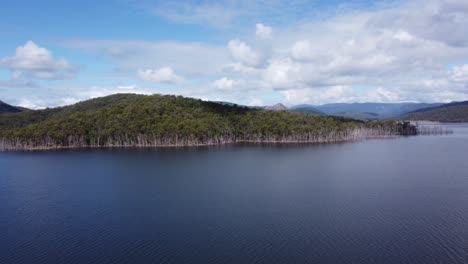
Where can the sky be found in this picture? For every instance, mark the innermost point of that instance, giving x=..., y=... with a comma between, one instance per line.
x=55, y=53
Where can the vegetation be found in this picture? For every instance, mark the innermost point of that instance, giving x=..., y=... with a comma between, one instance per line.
x=359, y=115
x=6, y=108
x=449, y=113
x=308, y=110
x=139, y=120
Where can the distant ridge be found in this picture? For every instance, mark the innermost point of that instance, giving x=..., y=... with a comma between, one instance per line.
x=307, y=110
x=6, y=108
x=440, y=106
x=364, y=116
x=276, y=107
x=447, y=113
x=384, y=110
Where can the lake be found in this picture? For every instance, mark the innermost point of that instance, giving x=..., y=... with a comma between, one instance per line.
x=402, y=200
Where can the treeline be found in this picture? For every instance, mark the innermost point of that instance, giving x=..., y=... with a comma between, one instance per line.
x=144, y=121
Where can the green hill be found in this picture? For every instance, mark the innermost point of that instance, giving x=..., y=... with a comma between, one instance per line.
x=157, y=120
x=6, y=108
x=448, y=113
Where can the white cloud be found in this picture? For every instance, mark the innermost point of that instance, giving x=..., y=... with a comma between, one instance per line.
x=162, y=75
x=262, y=31
x=400, y=51
x=302, y=50
x=239, y=68
x=244, y=53
x=32, y=61
x=127, y=87
x=30, y=104
x=460, y=74
x=130, y=56
x=381, y=95
x=255, y=102
x=339, y=94
x=330, y=94
x=403, y=36
x=224, y=84
x=282, y=74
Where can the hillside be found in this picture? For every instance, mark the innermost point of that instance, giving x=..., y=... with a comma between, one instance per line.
x=365, y=116
x=448, y=113
x=30, y=117
x=6, y=108
x=307, y=110
x=157, y=120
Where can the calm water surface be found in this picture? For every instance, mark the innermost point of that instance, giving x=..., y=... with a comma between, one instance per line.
x=379, y=201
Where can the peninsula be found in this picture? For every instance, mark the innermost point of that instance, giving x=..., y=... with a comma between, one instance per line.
x=130, y=120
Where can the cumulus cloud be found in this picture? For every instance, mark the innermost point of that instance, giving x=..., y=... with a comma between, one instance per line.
x=382, y=48
x=403, y=36
x=224, y=84
x=263, y=31
x=161, y=75
x=282, y=74
x=32, y=61
x=400, y=51
x=302, y=50
x=244, y=53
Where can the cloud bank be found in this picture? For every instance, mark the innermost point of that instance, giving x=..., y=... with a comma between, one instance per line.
x=284, y=52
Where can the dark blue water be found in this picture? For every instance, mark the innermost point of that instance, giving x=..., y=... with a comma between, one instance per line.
x=379, y=201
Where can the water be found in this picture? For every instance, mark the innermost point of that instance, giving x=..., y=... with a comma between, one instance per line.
x=399, y=200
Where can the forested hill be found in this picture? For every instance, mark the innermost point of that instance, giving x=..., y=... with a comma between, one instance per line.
x=8, y=121
x=156, y=120
x=453, y=112
x=6, y=108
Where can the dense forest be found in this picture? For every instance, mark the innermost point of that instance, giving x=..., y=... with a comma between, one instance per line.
x=6, y=108
x=448, y=113
x=164, y=120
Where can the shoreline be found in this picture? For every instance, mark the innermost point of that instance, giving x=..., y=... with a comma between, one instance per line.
x=144, y=141
x=172, y=146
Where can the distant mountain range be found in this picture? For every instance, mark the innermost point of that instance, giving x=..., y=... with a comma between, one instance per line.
x=452, y=112
x=367, y=111
x=308, y=110
x=359, y=115
x=6, y=108
x=276, y=107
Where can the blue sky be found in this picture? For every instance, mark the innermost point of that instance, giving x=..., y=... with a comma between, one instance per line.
x=249, y=52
